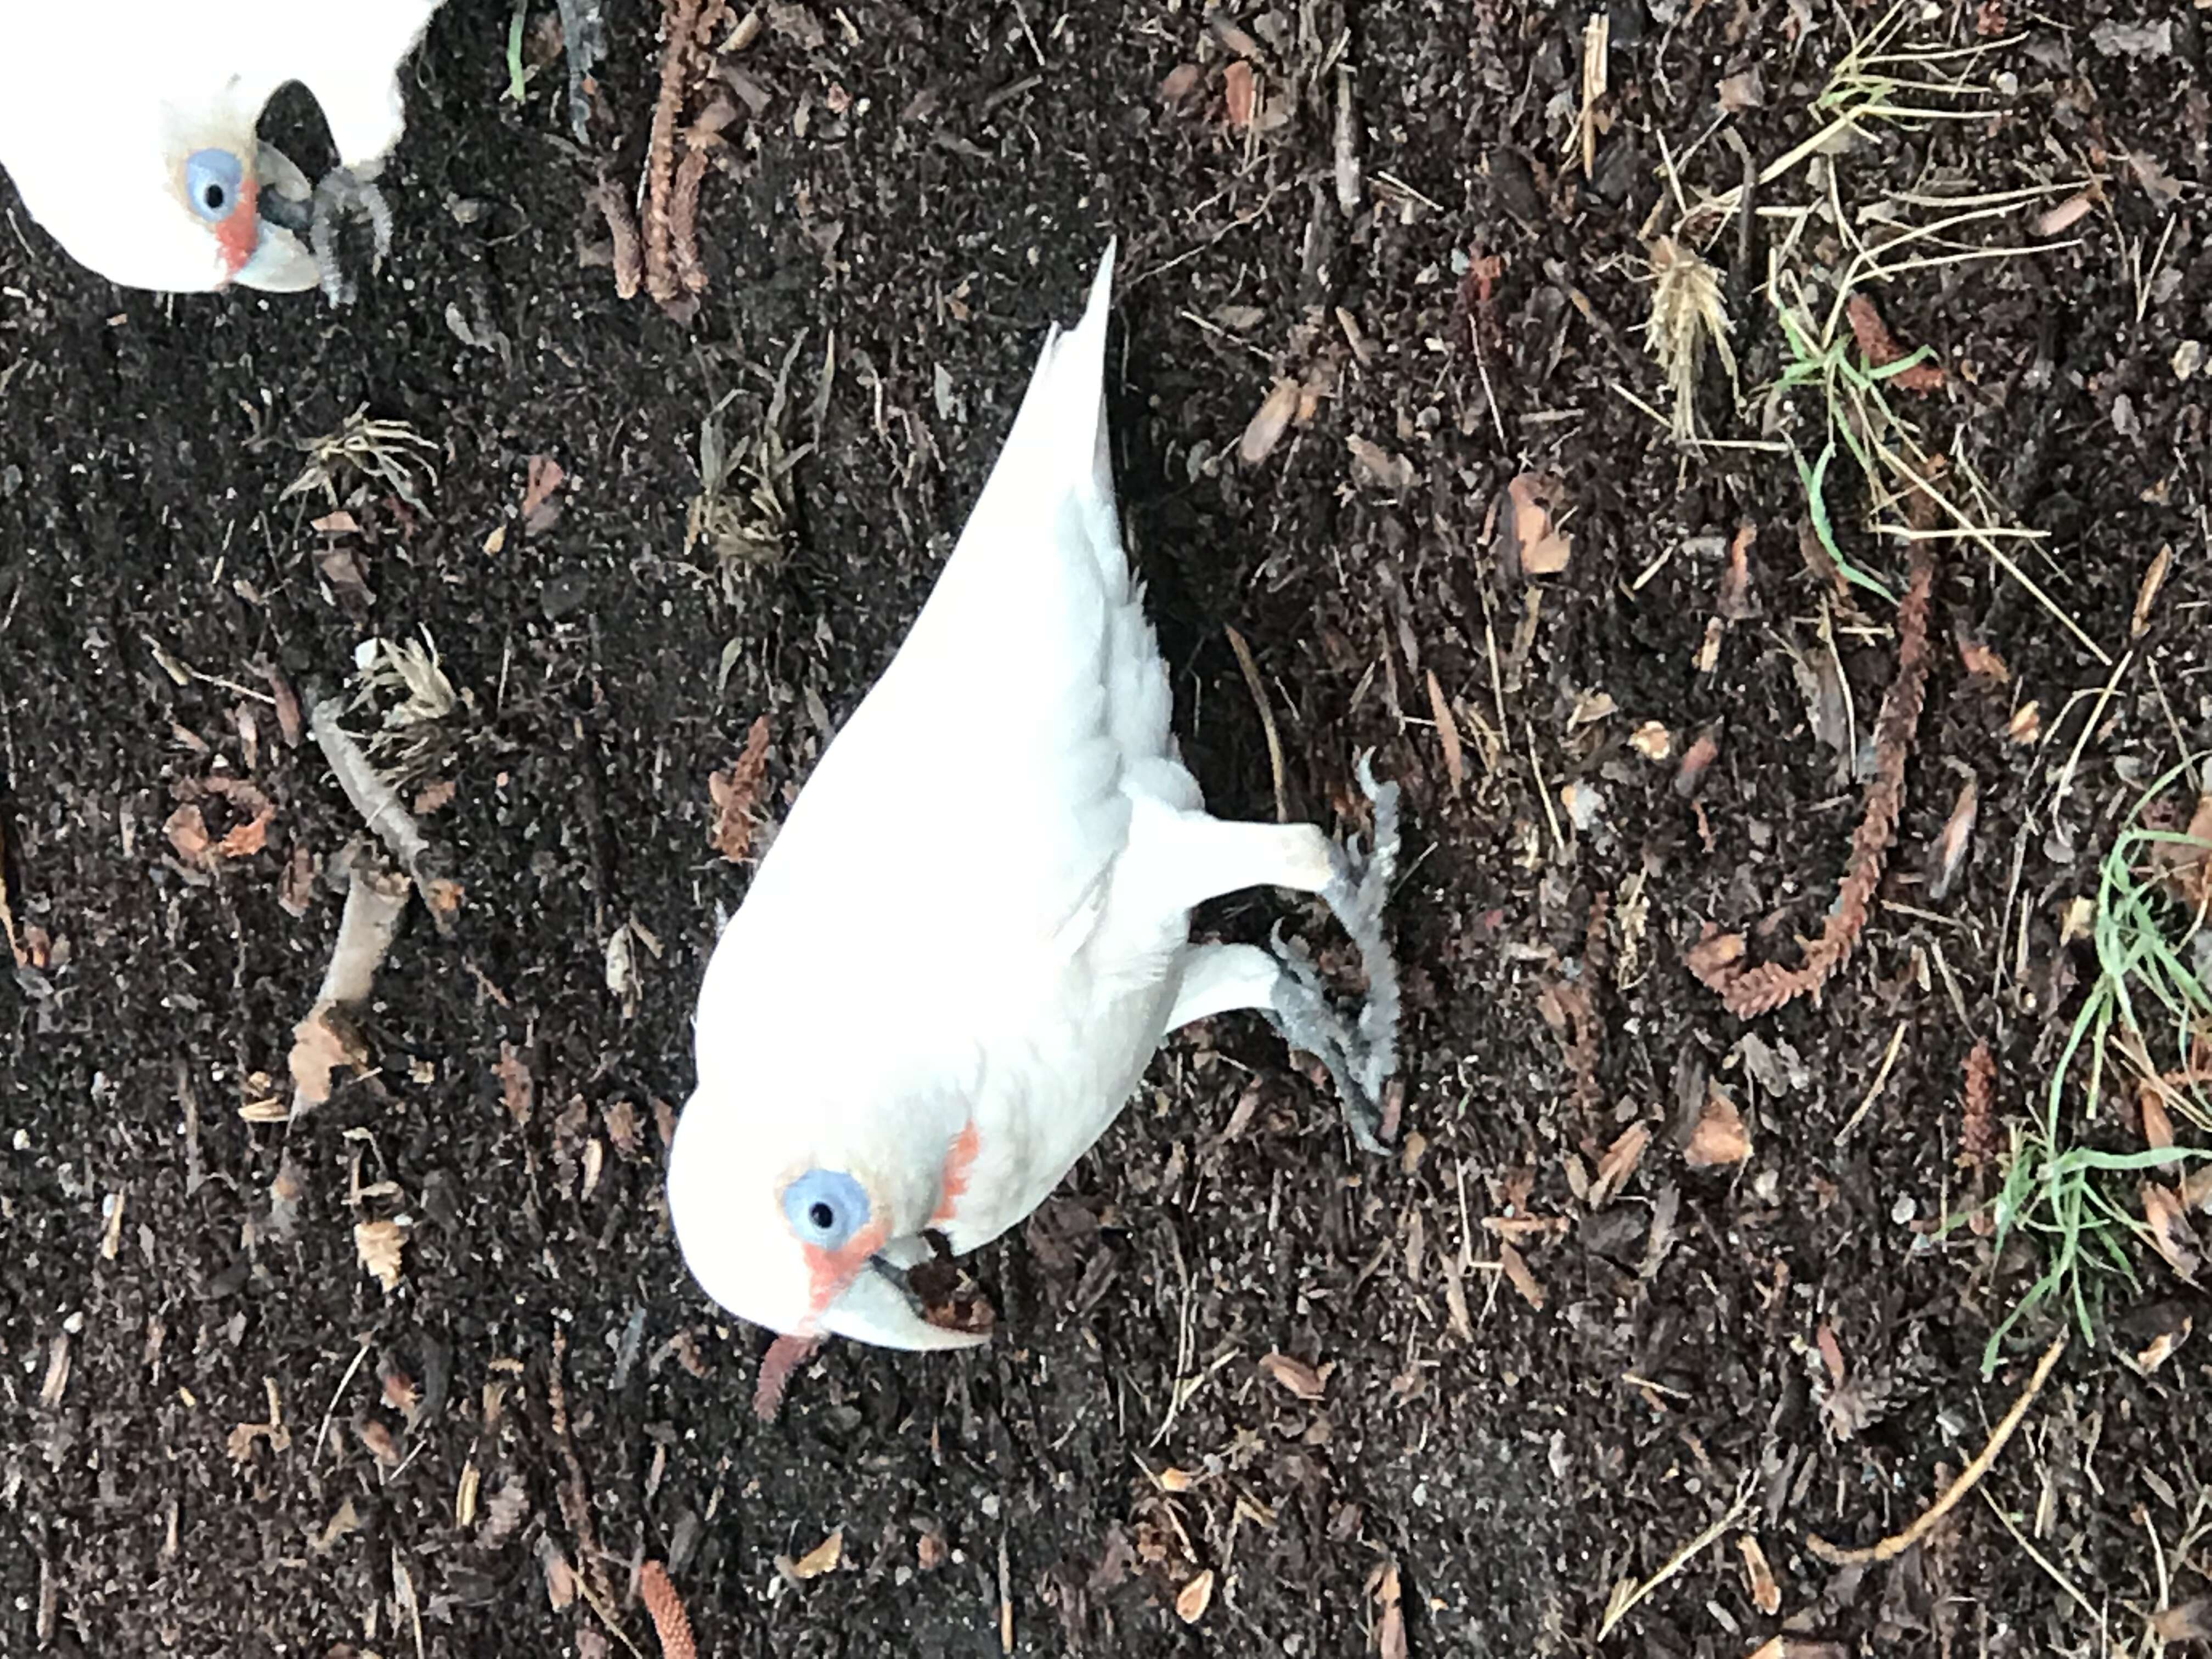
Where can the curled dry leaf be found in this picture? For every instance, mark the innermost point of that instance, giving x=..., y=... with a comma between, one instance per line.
x=1618, y=1163
x=379, y=1245
x=1719, y=1138
x=1295, y=1376
x=823, y=1558
x=1194, y=1598
x=1983, y=663
x=2171, y=1235
x=1758, y=1577
x=736, y=794
x=543, y=481
x=1696, y=759
x=1534, y=543
x=1949, y=854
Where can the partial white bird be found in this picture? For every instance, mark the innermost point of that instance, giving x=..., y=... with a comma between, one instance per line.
x=129, y=130
x=959, y=954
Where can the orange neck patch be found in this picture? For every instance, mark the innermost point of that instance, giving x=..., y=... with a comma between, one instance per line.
x=952, y=1182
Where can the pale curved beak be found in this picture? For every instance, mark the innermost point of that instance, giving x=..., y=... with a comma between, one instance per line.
x=877, y=1307
x=281, y=263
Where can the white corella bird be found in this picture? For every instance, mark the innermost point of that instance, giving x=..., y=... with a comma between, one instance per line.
x=959, y=954
x=129, y=130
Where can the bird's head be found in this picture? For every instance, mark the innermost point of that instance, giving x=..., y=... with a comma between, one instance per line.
x=172, y=195
x=806, y=1221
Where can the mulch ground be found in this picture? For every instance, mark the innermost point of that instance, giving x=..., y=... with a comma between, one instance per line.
x=1644, y=1273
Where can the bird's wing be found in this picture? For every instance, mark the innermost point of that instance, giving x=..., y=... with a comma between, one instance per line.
x=974, y=806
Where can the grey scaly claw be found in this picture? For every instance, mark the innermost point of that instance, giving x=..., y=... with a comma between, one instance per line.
x=1304, y=1017
x=1357, y=897
x=347, y=191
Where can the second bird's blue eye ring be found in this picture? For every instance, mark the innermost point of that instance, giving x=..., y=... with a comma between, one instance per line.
x=825, y=1207
x=214, y=181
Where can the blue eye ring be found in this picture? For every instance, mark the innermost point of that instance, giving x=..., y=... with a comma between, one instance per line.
x=825, y=1208
x=214, y=184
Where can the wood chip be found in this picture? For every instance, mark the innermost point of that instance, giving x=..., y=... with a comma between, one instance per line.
x=1618, y=1163
x=1194, y=1598
x=2147, y=595
x=1516, y=1267
x=1719, y=1138
x=1295, y=1375
x=1534, y=543
x=1448, y=731
x=1758, y=1577
x=1268, y=423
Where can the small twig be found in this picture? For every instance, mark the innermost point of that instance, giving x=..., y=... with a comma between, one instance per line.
x=1266, y=719
x=1897, y=1543
x=382, y=811
x=1625, y=1601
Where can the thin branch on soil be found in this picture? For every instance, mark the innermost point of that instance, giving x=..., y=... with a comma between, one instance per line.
x=669, y=1622
x=382, y=811
x=376, y=899
x=1897, y=1543
x=1266, y=719
x=575, y=1497
x=1627, y=1598
x=1750, y=991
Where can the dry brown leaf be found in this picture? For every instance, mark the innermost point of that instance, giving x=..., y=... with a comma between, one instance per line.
x=1194, y=1598
x=539, y=509
x=736, y=794
x=1758, y=1577
x=1383, y=468
x=2157, y=1123
x=1516, y=1267
x=1533, y=538
x=1619, y=1163
x=1268, y=423
x=2025, y=726
x=1448, y=732
x=1390, y=1626
x=379, y=1245
x=517, y=1087
x=2189, y=1621
x=1652, y=740
x=2171, y=1235
x=380, y=1443
x=1949, y=854
x=1295, y=1375
x=2147, y=595
x=1239, y=95
x=1720, y=1139
x=187, y=831
x=2187, y=870
x=1983, y=663
x=1695, y=758
x=2162, y=1348
x=560, y=1577
x=1880, y=350
x=823, y=1558
x=1179, y=82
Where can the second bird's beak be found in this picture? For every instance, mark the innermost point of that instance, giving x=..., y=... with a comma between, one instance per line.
x=280, y=262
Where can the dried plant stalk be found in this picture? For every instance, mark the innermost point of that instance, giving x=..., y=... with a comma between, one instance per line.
x=1748, y=991
x=670, y=1623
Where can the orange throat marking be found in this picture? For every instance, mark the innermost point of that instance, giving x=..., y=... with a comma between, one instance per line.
x=959, y=1159
x=240, y=234
x=829, y=1272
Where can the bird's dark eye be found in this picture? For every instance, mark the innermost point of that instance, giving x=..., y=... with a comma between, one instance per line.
x=825, y=1208
x=214, y=180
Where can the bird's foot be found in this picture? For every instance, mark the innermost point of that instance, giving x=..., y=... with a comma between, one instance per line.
x=347, y=192
x=1361, y=1055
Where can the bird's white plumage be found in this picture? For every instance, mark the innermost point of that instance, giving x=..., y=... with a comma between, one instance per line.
x=100, y=105
x=975, y=921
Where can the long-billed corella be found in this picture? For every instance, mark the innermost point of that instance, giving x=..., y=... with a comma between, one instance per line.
x=973, y=931
x=129, y=130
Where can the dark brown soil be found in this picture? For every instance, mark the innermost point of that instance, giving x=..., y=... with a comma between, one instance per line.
x=927, y=188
